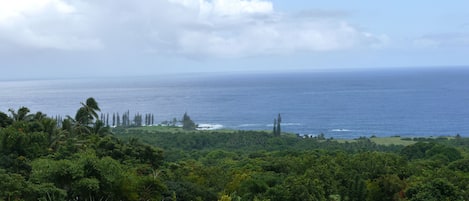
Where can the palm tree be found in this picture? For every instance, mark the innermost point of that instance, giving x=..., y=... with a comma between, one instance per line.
x=88, y=112
x=21, y=115
x=5, y=120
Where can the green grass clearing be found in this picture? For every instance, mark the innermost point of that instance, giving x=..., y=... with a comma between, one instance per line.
x=384, y=141
x=391, y=141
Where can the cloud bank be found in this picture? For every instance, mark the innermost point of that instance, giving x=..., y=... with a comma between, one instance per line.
x=44, y=24
x=188, y=28
x=443, y=40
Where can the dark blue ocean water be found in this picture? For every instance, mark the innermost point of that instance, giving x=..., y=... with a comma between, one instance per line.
x=339, y=104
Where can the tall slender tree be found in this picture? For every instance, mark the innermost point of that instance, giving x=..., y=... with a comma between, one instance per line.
x=107, y=119
x=118, y=120
x=113, y=119
x=279, y=121
x=275, y=126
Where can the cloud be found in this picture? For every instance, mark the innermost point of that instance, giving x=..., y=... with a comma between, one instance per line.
x=44, y=24
x=222, y=8
x=280, y=37
x=189, y=28
x=442, y=40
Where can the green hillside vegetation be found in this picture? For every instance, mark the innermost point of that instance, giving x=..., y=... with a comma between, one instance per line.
x=79, y=158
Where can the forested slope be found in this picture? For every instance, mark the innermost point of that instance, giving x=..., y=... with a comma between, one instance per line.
x=79, y=158
x=257, y=165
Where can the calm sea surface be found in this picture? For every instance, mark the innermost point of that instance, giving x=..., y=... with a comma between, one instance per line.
x=340, y=105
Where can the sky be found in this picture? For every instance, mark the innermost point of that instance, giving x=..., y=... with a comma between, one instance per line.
x=81, y=38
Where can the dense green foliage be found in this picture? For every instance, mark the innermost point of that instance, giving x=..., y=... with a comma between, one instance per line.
x=257, y=165
x=178, y=141
x=81, y=159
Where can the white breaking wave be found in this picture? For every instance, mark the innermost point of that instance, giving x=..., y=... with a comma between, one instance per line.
x=340, y=130
x=290, y=124
x=206, y=127
x=285, y=124
x=249, y=125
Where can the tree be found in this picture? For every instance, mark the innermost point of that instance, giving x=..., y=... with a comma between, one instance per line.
x=433, y=190
x=107, y=119
x=357, y=189
x=21, y=115
x=101, y=129
x=277, y=128
x=5, y=120
x=118, y=120
x=113, y=119
x=385, y=188
x=187, y=123
x=87, y=114
x=300, y=188
x=279, y=120
x=15, y=187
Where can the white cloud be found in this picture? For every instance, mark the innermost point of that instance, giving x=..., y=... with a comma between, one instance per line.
x=227, y=7
x=10, y=10
x=193, y=28
x=275, y=38
x=44, y=24
x=442, y=40
x=275, y=33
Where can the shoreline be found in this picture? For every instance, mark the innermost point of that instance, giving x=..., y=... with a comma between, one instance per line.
x=380, y=140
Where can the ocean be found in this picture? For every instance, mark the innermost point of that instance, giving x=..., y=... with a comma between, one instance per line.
x=406, y=103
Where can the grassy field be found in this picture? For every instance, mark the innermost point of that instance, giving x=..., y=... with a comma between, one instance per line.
x=384, y=141
x=169, y=129
x=391, y=140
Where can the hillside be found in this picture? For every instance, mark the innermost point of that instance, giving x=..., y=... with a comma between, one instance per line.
x=78, y=158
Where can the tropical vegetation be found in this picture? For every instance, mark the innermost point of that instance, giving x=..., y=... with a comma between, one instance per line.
x=83, y=158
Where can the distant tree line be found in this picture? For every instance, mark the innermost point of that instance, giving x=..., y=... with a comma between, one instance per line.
x=118, y=120
x=125, y=120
